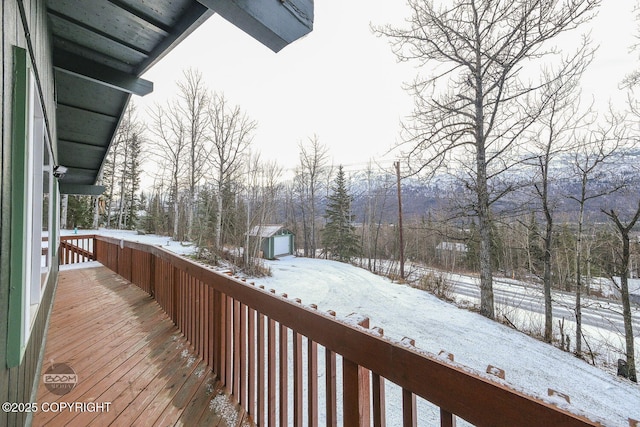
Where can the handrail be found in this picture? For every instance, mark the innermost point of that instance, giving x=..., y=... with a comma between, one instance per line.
x=248, y=336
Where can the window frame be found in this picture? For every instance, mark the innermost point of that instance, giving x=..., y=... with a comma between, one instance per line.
x=28, y=277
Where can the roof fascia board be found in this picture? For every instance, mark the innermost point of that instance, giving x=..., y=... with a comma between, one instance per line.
x=274, y=23
x=84, y=68
x=83, y=190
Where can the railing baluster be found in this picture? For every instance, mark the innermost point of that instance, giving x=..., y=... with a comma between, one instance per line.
x=447, y=419
x=379, y=415
x=409, y=416
x=261, y=336
x=228, y=331
x=243, y=371
x=271, y=373
x=218, y=331
x=207, y=335
x=251, y=379
x=297, y=379
x=284, y=375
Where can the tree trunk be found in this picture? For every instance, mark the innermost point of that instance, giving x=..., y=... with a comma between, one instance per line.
x=626, y=307
x=218, y=231
x=579, y=273
x=548, y=307
x=64, y=204
x=485, y=227
x=624, y=288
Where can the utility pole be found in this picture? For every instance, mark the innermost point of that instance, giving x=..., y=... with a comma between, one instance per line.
x=401, y=240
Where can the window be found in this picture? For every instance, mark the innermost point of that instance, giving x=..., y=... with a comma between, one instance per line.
x=32, y=208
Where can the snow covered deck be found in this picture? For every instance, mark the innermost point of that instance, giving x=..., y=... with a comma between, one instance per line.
x=132, y=364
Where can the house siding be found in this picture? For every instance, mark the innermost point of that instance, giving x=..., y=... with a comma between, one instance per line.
x=20, y=18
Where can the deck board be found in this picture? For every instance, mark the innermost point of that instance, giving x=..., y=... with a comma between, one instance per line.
x=126, y=351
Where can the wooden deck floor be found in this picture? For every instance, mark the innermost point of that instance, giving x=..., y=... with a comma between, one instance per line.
x=125, y=351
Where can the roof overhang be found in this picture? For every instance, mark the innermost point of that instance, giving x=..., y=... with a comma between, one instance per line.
x=274, y=23
x=100, y=50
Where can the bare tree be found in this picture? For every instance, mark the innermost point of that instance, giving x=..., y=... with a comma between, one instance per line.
x=121, y=172
x=263, y=188
x=169, y=149
x=593, y=162
x=623, y=256
x=476, y=101
x=379, y=197
x=632, y=79
x=230, y=133
x=310, y=174
x=551, y=138
x=192, y=104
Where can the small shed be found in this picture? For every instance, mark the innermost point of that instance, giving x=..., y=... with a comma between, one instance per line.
x=275, y=240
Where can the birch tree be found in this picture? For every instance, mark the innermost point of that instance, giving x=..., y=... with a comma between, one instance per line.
x=170, y=149
x=192, y=104
x=476, y=102
x=122, y=170
x=310, y=175
x=623, y=256
x=593, y=163
x=553, y=137
x=230, y=133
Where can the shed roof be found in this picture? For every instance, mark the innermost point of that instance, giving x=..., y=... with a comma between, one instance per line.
x=266, y=230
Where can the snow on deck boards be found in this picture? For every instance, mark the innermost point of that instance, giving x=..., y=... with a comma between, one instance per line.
x=125, y=351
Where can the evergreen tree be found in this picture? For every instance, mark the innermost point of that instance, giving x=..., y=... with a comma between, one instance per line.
x=339, y=237
x=79, y=213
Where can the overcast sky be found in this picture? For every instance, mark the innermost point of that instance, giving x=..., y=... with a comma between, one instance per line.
x=341, y=82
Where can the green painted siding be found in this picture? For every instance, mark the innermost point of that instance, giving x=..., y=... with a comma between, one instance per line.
x=19, y=235
x=18, y=384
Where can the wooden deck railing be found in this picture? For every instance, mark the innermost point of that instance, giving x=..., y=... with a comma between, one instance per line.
x=76, y=249
x=270, y=353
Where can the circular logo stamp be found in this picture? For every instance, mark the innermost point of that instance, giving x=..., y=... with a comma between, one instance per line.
x=60, y=378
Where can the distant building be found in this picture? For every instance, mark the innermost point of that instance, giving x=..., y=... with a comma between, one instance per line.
x=275, y=240
x=449, y=253
x=452, y=247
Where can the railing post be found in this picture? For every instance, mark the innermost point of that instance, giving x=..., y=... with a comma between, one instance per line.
x=331, y=395
x=409, y=412
x=356, y=391
x=312, y=380
x=176, y=293
x=152, y=275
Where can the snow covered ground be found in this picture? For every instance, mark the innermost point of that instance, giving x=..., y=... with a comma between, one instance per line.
x=530, y=365
x=402, y=311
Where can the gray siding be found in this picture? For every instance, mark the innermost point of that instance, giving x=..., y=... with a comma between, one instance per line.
x=17, y=384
